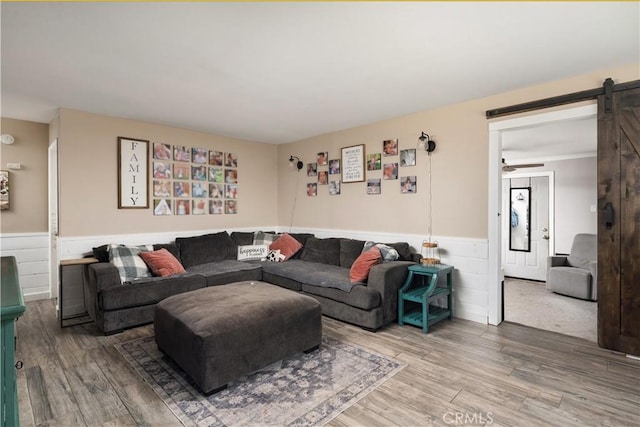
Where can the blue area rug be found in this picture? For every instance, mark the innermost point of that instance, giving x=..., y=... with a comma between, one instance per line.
x=303, y=390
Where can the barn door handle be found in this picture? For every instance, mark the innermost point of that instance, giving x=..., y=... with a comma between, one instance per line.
x=608, y=215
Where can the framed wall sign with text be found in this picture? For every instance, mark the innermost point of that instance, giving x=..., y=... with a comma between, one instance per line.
x=353, y=163
x=133, y=173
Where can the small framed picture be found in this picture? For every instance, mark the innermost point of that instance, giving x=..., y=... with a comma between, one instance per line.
x=408, y=184
x=4, y=190
x=390, y=171
x=408, y=157
x=162, y=207
x=181, y=189
x=183, y=207
x=199, y=173
x=373, y=186
x=230, y=207
x=390, y=147
x=322, y=158
x=199, y=155
x=323, y=178
x=334, y=188
x=199, y=189
x=374, y=162
x=181, y=153
x=334, y=167
x=216, y=175
x=180, y=171
x=216, y=191
x=215, y=158
x=231, y=160
x=312, y=189
x=231, y=191
x=198, y=207
x=161, y=170
x=312, y=169
x=161, y=151
x=216, y=207
x=231, y=176
x=161, y=188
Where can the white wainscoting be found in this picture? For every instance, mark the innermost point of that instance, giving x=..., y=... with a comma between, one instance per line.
x=468, y=256
x=31, y=251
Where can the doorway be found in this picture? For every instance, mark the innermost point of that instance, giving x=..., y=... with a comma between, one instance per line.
x=53, y=218
x=496, y=131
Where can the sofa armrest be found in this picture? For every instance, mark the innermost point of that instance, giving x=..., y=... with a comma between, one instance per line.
x=387, y=278
x=103, y=275
x=593, y=268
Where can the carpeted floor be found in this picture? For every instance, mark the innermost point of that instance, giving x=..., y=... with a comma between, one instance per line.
x=529, y=303
x=303, y=390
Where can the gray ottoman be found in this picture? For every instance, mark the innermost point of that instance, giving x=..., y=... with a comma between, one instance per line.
x=220, y=333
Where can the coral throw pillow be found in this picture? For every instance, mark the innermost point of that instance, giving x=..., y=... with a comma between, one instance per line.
x=362, y=265
x=162, y=263
x=287, y=245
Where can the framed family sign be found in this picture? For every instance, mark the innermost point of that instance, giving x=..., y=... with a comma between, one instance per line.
x=133, y=173
x=353, y=163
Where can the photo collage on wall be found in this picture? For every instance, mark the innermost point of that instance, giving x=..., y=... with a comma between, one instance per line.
x=326, y=171
x=194, y=181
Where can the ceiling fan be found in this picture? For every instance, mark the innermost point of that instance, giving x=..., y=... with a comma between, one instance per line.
x=510, y=168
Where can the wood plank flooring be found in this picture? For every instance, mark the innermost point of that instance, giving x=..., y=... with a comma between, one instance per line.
x=461, y=373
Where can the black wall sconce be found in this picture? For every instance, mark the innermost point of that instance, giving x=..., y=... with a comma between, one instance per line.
x=295, y=161
x=425, y=143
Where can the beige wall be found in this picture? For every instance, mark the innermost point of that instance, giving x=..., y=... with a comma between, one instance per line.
x=88, y=178
x=28, y=185
x=459, y=167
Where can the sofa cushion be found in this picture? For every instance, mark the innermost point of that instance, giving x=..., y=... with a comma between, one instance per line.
x=242, y=238
x=359, y=271
x=287, y=246
x=149, y=290
x=360, y=296
x=208, y=248
x=312, y=273
x=162, y=263
x=128, y=262
x=171, y=247
x=404, y=251
x=325, y=251
x=350, y=250
x=101, y=253
x=227, y=271
x=302, y=238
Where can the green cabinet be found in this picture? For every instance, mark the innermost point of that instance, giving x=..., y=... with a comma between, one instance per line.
x=11, y=307
x=422, y=313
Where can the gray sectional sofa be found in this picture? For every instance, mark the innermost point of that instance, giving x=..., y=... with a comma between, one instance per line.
x=320, y=269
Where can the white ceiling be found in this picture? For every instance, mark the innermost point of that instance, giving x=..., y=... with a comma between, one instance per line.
x=281, y=72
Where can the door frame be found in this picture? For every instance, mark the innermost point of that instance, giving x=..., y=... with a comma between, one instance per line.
x=52, y=205
x=496, y=128
x=552, y=208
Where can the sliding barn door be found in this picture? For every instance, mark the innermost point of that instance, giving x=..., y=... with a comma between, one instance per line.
x=619, y=221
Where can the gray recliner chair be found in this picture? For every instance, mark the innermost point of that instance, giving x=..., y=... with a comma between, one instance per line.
x=576, y=275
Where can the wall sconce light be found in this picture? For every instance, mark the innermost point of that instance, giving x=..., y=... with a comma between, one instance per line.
x=425, y=143
x=5, y=138
x=295, y=161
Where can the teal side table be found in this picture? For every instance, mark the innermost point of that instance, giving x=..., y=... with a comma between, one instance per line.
x=11, y=307
x=425, y=315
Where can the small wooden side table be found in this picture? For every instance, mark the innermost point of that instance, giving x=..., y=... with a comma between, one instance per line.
x=425, y=315
x=73, y=273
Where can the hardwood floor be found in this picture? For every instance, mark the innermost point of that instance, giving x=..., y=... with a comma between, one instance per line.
x=461, y=373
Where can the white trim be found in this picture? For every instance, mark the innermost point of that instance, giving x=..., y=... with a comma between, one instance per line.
x=555, y=158
x=32, y=258
x=496, y=128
